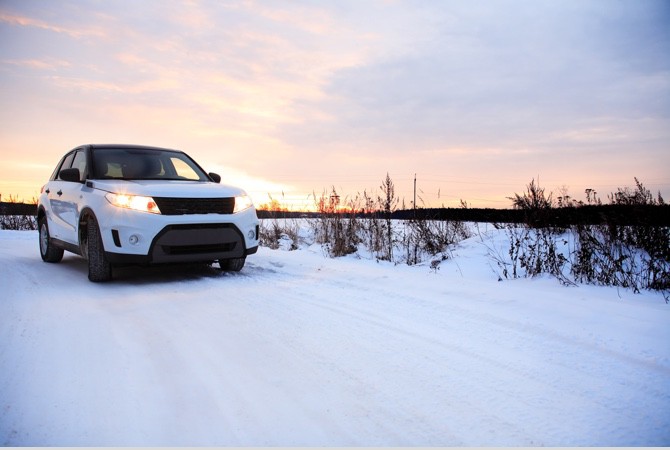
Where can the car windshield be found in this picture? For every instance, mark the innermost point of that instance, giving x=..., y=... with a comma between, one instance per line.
x=144, y=164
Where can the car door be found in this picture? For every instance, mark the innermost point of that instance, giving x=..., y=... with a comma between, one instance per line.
x=65, y=198
x=57, y=208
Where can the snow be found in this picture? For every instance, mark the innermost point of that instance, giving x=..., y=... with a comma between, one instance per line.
x=303, y=350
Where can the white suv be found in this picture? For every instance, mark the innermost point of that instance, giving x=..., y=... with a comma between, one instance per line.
x=130, y=204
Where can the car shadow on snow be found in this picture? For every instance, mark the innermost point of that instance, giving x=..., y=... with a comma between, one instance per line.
x=165, y=273
x=159, y=274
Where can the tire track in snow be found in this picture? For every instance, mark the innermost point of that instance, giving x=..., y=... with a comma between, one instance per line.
x=557, y=374
x=349, y=315
x=302, y=350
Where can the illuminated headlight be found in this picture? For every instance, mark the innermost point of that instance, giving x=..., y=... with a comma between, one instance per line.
x=136, y=202
x=242, y=202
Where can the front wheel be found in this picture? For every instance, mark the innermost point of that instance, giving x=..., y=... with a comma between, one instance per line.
x=99, y=269
x=233, y=264
x=48, y=252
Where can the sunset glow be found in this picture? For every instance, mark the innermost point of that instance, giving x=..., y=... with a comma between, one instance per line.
x=291, y=99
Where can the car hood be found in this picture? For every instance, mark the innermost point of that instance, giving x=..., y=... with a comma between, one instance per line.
x=165, y=188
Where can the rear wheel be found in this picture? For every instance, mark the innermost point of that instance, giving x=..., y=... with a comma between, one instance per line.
x=48, y=252
x=99, y=269
x=233, y=264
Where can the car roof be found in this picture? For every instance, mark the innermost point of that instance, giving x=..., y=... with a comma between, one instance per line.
x=126, y=147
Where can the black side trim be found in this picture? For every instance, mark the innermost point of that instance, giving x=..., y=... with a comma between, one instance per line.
x=66, y=246
x=252, y=250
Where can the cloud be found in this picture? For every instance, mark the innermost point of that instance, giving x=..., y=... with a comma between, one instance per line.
x=48, y=64
x=82, y=31
x=496, y=76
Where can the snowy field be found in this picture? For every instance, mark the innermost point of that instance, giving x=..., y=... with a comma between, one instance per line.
x=303, y=350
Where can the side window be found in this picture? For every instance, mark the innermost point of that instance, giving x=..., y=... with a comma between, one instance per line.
x=54, y=175
x=80, y=163
x=67, y=163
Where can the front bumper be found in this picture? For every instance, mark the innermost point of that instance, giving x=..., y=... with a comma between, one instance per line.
x=157, y=239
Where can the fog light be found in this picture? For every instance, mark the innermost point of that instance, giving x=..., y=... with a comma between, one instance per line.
x=251, y=234
x=133, y=239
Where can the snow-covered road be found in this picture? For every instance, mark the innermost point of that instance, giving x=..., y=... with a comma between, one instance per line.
x=298, y=349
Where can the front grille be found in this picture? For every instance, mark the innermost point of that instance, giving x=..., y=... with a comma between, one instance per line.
x=171, y=206
x=196, y=249
x=197, y=242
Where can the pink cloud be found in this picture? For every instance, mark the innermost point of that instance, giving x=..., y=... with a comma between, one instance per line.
x=23, y=21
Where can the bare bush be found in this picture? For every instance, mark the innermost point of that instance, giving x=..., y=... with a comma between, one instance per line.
x=431, y=238
x=371, y=226
x=535, y=251
x=337, y=229
x=635, y=257
x=610, y=254
x=23, y=222
x=346, y=226
x=535, y=203
x=9, y=221
x=387, y=204
x=279, y=233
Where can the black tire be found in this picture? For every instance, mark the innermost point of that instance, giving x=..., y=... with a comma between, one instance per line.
x=99, y=269
x=233, y=264
x=48, y=252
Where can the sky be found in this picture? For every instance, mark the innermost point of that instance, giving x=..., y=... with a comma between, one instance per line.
x=292, y=99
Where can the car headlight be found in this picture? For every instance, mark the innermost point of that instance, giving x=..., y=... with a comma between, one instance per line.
x=242, y=202
x=135, y=202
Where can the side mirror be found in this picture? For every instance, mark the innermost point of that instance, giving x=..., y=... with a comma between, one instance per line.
x=215, y=177
x=70, y=175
